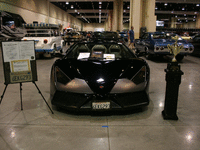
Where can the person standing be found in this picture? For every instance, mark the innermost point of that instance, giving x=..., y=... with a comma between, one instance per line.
x=131, y=37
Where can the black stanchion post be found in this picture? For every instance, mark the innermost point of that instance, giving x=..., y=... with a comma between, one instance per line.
x=173, y=79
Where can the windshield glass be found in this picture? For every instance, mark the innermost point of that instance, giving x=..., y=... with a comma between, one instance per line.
x=159, y=36
x=100, y=51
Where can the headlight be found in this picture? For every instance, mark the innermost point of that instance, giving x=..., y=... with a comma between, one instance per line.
x=140, y=76
x=61, y=76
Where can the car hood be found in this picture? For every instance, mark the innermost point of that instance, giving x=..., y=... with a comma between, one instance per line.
x=165, y=42
x=101, y=76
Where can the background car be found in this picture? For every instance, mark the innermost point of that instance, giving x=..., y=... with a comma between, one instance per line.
x=98, y=76
x=155, y=43
x=47, y=38
x=196, y=43
x=124, y=35
x=72, y=37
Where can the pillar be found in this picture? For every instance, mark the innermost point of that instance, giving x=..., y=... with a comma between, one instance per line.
x=198, y=22
x=149, y=15
x=117, y=21
x=173, y=22
x=135, y=16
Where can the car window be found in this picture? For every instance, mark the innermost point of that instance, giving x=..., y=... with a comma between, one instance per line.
x=159, y=36
x=101, y=51
x=145, y=36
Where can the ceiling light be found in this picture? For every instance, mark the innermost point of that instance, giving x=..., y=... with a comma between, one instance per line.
x=67, y=3
x=72, y=6
x=99, y=6
x=172, y=12
x=183, y=8
x=197, y=5
x=99, y=9
x=156, y=8
x=195, y=12
x=194, y=16
x=184, y=14
x=165, y=4
x=193, y=19
x=176, y=16
x=99, y=12
x=124, y=10
x=78, y=13
x=75, y=10
x=100, y=2
x=128, y=7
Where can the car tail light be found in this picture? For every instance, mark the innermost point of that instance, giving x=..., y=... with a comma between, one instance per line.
x=25, y=39
x=140, y=76
x=191, y=49
x=45, y=41
x=61, y=76
x=186, y=49
x=157, y=48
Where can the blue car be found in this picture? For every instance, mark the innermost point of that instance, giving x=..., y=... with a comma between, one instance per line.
x=124, y=35
x=155, y=43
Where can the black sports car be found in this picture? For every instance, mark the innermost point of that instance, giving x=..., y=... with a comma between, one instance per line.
x=99, y=76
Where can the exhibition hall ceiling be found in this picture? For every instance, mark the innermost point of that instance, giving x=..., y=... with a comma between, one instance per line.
x=96, y=11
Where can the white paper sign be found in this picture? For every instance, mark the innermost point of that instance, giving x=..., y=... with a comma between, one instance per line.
x=18, y=50
x=83, y=55
x=20, y=65
x=109, y=56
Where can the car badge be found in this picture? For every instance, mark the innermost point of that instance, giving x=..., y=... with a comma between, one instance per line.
x=101, y=86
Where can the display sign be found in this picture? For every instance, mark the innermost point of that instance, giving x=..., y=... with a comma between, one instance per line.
x=19, y=61
x=160, y=23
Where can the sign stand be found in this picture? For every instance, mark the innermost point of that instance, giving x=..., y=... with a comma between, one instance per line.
x=21, y=95
x=19, y=65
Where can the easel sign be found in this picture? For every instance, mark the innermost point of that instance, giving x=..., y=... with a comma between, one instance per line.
x=19, y=61
x=19, y=65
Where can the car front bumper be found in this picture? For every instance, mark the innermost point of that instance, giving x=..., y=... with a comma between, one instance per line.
x=83, y=102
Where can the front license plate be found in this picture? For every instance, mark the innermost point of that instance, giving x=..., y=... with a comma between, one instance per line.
x=101, y=105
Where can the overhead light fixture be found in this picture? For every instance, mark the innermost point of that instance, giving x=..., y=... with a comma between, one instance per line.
x=99, y=6
x=195, y=12
x=124, y=10
x=197, y=5
x=176, y=16
x=184, y=14
x=183, y=8
x=99, y=9
x=165, y=4
x=100, y=2
x=128, y=7
x=100, y=13
x=193, y=19
x=156, y=8
x=67, y=3
x=72, y=6
x=75, y=10
x=78, y=13
x=194, y=16
x=172, y=12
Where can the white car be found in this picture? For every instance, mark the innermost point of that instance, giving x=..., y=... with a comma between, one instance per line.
x=47, y=40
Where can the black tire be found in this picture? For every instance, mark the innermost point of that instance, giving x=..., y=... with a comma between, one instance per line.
x=179, y=57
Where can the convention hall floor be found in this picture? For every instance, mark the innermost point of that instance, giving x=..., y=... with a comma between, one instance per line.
x=35, y=128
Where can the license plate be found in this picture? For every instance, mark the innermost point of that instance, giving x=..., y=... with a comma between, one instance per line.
x=101, y=105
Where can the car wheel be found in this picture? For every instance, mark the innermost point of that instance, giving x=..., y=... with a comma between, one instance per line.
x=147, y=54
x=179, y=57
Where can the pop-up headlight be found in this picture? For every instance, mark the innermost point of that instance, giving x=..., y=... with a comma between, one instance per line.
x=140, y=76
x=61, y=76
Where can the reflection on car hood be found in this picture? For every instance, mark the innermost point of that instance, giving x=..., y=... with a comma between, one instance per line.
x=169, y=41
x=101, y=76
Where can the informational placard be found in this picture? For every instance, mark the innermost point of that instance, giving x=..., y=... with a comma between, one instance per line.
x=19, y=61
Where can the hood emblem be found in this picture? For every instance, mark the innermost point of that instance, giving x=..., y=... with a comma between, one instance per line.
x=101, y=86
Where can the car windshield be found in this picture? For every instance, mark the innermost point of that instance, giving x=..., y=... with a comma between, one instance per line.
x=159, y=36
x=109, y=34
x=100, y=51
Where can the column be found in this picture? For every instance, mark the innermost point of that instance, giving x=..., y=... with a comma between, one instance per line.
x=198, y=22
x=173, y=22
x=149, y=15
x=136, y=16
x=117, y=20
